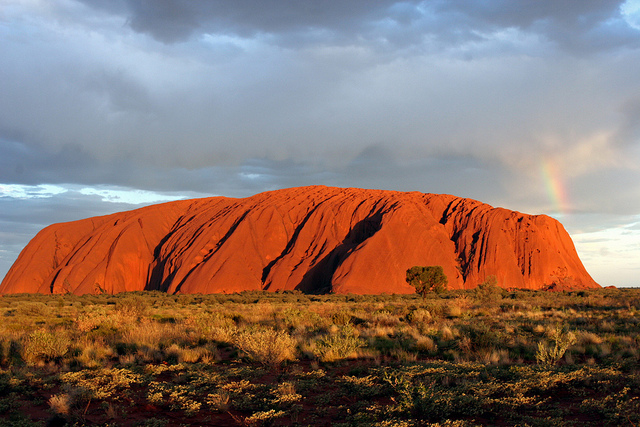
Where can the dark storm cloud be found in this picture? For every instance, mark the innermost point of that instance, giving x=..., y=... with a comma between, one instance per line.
x=574, y=25
x=29, y=164
x=192, y=104
x=576, y=16
x=376, y=166
x=172, y=21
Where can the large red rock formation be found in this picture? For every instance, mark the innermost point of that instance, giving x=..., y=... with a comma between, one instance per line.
x=315, y=239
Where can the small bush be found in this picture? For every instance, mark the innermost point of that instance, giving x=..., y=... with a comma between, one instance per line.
x=426, y=344
x=44, y=347
x=339, y=346
x=488, y=291
x=341, y=318
x=419, y=316
x=292, y=319
x=131, y=307
x=86, y=322
x=218, y=402
x=427, y=279
x=458, y=306
x=384, y=318
x=549, y=353
x=93, y=354
x=12, y=353
x=267, y=346
x=61, y=403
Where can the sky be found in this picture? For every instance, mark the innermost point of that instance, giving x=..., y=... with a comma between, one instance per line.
x=532, y=106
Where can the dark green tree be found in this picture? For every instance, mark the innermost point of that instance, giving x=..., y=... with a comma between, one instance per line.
x=427, y=279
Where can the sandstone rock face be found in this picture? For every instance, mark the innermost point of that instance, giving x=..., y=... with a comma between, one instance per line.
x=314, y=239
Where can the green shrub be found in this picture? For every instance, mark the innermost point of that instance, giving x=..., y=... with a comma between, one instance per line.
x=427, y=279
x=488, y=291
x=429, y=401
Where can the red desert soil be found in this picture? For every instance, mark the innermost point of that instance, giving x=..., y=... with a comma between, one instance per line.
x=314, y=239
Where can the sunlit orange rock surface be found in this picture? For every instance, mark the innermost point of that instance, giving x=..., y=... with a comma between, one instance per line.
x=314, y=239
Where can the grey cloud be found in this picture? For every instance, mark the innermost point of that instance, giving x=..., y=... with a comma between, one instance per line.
x=376, y=166
x=461, y=175
x=575, y=25
x=173, y=108
x=629, y=132
x=524, y=14
x=59, y=92
x=168, y=21
x=172, y=21
x=32, y=164
x=68, y=206
x=118, y=91
x=607, y=191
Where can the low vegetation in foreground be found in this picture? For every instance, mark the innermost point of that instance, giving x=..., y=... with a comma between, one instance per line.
x=459, y=358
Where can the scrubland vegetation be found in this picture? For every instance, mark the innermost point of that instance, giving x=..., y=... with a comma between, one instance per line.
x=459, y=358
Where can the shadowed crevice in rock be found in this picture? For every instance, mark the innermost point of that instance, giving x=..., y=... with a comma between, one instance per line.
x=156, y=280
x=290, y=244
x=318, y=279
x=219, y=244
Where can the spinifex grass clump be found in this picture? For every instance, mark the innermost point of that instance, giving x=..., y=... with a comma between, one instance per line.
x=43, y=347
x=457, y=358
x=339, y=345
x=265, y=345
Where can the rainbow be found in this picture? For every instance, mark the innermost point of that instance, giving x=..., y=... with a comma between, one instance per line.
x=555, y=187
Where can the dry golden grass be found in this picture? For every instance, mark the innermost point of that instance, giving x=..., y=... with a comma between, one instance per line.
x=266, y=345
x=267, y=357
x=61, y=403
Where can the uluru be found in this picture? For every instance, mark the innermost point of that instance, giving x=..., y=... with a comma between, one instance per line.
x=314, y=239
